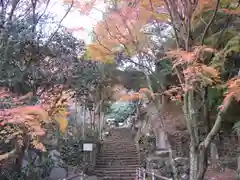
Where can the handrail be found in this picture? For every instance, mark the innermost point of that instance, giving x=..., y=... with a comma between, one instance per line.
x=141, y=175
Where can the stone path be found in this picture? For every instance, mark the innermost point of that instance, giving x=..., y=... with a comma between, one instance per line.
x=119, y=158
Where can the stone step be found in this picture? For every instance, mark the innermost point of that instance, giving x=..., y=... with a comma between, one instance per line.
x=127, y=157
x=125, y=161
x=121, y=131
x=119, y=137
x=119, y=142
x=124, y=148
x=119, y=163
x=123, y=175
x=118, y=147
x=101, y=163
x=121, y=134
x=135, y=166
x=109, y=153
x=119, y=155
x=117, y=151
x=116, y=177
x=116, y=171
x=118, y=158
x=117, y=174
x=122, y=159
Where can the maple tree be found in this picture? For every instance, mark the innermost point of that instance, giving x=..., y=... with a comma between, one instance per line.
x=29, y=63
x=143, y=93
x=39, y=60
x=129, y=18
x=24, y=124
x=194, y=77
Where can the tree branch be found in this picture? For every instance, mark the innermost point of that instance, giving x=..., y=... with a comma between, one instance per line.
x=217, y=124
x=8, y=154
x=15, y=151
x=14, y=5
x=210, y=22
x=173, y=24
x=49, y=40
x=34, y=18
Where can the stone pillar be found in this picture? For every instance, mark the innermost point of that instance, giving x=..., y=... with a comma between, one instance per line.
x=161, y=139
x=214, y=155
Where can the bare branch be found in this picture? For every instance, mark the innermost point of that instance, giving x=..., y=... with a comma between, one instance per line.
x=210, y=22
x=14, y=5
x=8, y=154
x=217, y=124
x=53, y=34
x=45, y=9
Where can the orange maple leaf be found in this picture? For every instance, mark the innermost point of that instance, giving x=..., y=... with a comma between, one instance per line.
x=231, y=11
x=233, y=90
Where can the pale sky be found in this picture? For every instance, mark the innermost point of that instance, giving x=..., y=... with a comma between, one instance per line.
x=75, y=19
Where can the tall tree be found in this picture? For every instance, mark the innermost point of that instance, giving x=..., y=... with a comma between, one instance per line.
x=195, y=74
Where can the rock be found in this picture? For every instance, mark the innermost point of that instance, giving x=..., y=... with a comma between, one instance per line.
x=58, y=173
x=91, y=178
x=31, y=155
x=50, y=140
x=71, y=169
x=56, y=157
x=184, y=177
x=181, y=160
x=25, y=163
x=55, y=153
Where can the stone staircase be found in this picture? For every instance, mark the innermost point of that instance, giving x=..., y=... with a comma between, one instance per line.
x=118, y=158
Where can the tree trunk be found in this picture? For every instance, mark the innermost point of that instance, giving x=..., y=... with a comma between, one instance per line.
x=198, y=152
x=198, y=163
x=194, y=157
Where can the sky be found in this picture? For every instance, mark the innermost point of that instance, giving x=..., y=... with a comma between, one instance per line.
x=75, y=19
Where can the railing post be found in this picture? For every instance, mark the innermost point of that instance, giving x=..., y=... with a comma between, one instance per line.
x=81, y=176
x=144, y=174
x=139, y=173
x=153, y=175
